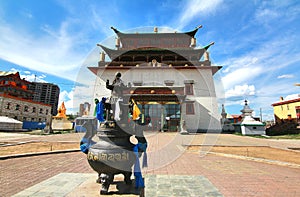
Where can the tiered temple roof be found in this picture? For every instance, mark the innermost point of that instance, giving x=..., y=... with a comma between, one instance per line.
x=158, y=40
x=163, y=50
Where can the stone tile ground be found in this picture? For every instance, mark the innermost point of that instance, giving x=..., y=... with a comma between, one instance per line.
x=179, y=186
x=59, y=185
x=71, y=184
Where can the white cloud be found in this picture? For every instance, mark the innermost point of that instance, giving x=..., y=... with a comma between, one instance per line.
x=240, y=75
x=51, y=52
x=61, y=47
x=13, y=70
x=27, y=14
x=265, y=60
x=67, y=98
x=271, y=11
x=259, y=67
x=285, y=77
x=265, y=15
x=291, y=96
x=196, y=8
x=240, y=90
x=33, y=77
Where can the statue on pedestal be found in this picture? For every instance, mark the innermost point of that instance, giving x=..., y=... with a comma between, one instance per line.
x=114, y=153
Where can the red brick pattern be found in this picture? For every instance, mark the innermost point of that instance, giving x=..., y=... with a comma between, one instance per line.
x=20, y=173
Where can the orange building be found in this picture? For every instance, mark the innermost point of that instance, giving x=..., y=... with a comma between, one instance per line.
x=12, y=84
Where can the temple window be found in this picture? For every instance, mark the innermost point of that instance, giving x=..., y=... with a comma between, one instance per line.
x=190, y=109
x=47, y=111
x=25, y=108
x=33, y=110
x=137, y=83
x=17, y=107
x=8, y=106
x=189, y=89
x=41, y=110
x=169, y=82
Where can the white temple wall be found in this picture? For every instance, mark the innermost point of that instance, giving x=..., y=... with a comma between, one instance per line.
x=206, y=117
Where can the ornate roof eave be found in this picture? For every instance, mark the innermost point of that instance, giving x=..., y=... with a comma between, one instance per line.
x=193, y=33
x=113, y=54
x=115, y=30
x=189, y=33
x=94, y=70
x=207, y=46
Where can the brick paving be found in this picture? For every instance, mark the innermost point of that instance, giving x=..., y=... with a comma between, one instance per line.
x=20, y=173
x=230, y=176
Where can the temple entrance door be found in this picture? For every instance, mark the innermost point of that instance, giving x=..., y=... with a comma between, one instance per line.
x=164, y=117
x=173, y=116
x=155, y=113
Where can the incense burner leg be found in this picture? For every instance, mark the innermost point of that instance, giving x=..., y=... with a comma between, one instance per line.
x=105, y=180
x=127, y=179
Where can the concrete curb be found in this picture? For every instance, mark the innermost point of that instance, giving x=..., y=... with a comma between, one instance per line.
x=269, y=161
x=38, y=154
x=36, y=141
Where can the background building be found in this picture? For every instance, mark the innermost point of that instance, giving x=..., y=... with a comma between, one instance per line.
x=23, y=110
x=47, y=93
x=287, y=110
x=16, y=100
x=287, y=117
x=171, y=80
x=11, y=84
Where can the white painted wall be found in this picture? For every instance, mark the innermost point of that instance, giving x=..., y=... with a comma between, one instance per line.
x=253, y=130
x=206, y=116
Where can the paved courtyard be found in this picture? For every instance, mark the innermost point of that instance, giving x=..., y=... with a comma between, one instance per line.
x=171, y=167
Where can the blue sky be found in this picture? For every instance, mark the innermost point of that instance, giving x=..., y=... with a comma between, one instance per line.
x=256, y=42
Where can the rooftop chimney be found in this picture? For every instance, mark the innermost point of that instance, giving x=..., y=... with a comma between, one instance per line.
x=281, y=98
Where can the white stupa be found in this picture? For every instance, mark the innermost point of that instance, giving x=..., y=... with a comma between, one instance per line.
x=248, y=125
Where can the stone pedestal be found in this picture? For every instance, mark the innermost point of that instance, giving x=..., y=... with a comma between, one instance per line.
x=60, y=124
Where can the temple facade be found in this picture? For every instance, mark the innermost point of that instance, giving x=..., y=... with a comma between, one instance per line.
x=169, y=78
